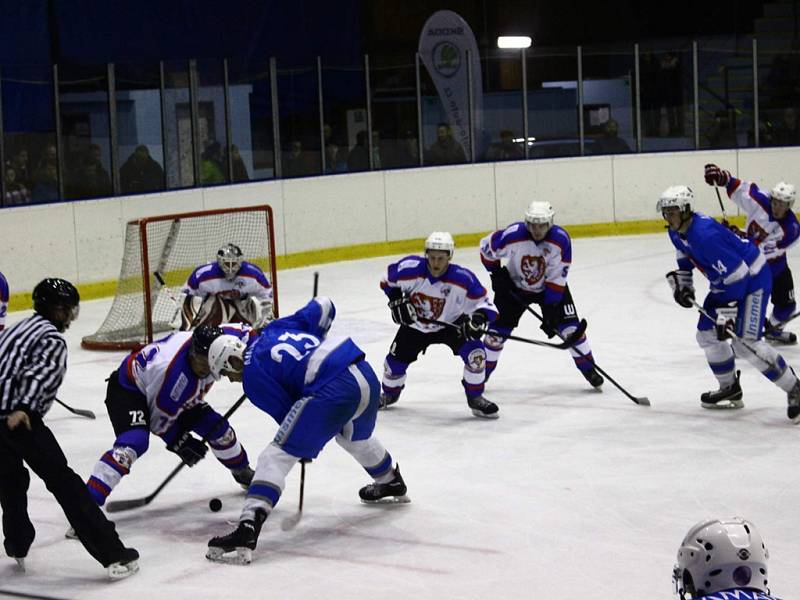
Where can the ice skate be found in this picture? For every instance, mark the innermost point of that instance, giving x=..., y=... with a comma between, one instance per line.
x=481, y=407
x=243, y=477
x=237, y=547
x=728, y=397
x=393, y=492
x=593, y=377
x=793, y=411
x=126, y=566
x=779, y=336
x=386, y=400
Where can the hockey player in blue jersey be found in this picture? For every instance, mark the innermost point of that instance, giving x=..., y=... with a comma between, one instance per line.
x=424, y=289
x=3, y=301
x=317, y=388
x=722, y=559
x=740, y=284
x=538, y=256
x=772, y=226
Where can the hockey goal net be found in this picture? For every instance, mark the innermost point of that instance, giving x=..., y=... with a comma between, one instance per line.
x=173, y=246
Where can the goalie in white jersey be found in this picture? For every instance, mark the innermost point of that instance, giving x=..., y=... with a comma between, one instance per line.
x=538, y=256
x=229, y=290
x=422, y=290
x=772, y=226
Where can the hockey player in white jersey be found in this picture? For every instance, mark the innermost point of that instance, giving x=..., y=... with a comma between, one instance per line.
x=422, y=289
x=722, y=559
x=538, y=256
x=229, y=290
x=160, y=389
x=772, y=226
x=739, y=283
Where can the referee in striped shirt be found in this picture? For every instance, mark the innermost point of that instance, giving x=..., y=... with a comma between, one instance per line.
x=33, y=360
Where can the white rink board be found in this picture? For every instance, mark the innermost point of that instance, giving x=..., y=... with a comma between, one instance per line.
x=83, y=241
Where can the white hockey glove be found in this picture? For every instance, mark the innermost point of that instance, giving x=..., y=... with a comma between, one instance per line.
x=726, y=320
x=682, y=287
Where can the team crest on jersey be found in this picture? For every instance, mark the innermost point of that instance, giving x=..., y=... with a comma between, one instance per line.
x=532, y=268
x=428, y=306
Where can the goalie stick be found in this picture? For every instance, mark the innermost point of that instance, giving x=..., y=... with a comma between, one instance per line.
x=83, y=412
x=290, y=522
x=120, y=505
x=640, y=400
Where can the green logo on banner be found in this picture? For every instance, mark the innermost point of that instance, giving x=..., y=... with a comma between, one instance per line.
x=446, y=59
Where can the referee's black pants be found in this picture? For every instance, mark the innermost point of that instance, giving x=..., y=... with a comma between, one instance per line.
x=40, y=450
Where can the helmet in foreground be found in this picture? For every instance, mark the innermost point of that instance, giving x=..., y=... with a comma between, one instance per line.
x=679, y=196
x=220, y=353
x=540, y=212
x=785, y=192
x=440, y=240
x=229, y=259
x=720, y=554
x=202, y=338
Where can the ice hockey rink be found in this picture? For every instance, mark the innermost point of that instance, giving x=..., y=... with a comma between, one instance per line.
x=571, y=493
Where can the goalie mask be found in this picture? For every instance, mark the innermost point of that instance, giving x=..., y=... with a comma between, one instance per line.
x=440, y=240
x=720, y=554
x=229, y=259
x=220, y=353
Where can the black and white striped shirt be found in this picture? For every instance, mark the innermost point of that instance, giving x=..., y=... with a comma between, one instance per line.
x=33, y=360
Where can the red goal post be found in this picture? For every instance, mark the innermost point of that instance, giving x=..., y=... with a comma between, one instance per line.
x=173, y=246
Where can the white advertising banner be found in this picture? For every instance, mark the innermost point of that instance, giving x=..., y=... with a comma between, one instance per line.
x=443, y=46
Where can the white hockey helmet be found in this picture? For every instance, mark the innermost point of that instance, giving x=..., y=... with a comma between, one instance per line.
x=220, y=353
x=229, y=259
x=440, y=240
x=540, y=212
x=785, y=192
x=676, y=195
x=720, y=554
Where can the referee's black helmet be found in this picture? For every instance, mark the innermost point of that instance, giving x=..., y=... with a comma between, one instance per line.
x=53, y=293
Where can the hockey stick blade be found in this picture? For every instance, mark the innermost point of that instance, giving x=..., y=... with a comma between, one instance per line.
x=291, y=522
x=122, y=505
x=78, y=411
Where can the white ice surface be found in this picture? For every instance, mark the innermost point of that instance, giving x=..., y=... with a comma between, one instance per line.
x=571, y=494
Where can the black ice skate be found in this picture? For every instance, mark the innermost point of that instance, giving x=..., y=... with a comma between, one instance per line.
x=243, y=477
x=729, y=397
x=779, y=336
x=593, y=377
x=241, y=541
x=793, y=411
x=125, y=566
x=481, y=407
x=393, y=492
x=386, y=400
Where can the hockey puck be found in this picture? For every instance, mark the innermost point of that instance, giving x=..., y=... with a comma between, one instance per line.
x=215, y=504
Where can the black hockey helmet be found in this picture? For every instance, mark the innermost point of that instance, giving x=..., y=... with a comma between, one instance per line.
x=53, y=293
x=202, y=338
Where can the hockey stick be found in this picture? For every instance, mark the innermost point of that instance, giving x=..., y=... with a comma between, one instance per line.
x=289, y=522
x=640, y=400
x=722, y=208
x=563, y=345
x=120, y=505
x=170, y=295
x=78, y=411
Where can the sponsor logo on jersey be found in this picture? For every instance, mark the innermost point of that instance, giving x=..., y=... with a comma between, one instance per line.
x=532, y=269
x=177, y=389
x=428, y=307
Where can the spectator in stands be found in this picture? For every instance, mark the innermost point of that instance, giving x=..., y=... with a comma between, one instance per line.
x=16, y=191
x=333, y=159
x=298, y=162
x=722, y=133
x=211, y=168
x=358, y=159
x=92, y=178
x=407, y=150
x=239, y=168
x=445, y=150
x=787, y=133
x=505, y=149
x=46, y=184
x=610, y=142
x=21, y=165
x=49, y=157
x=141, y=173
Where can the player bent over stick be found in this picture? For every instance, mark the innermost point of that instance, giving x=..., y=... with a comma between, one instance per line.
x=538, y=255
x=317, y=388
x=161, y=389
x=431, y=288
x=740, y=285
x=772, y=226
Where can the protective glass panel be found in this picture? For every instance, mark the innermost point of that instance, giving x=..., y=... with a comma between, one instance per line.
x=178, y=125
x=394, y=112
x=345, y=120
x=499, y=132
x=252, y=147
x=778, y=80
x=299, y=121
x=212, y=135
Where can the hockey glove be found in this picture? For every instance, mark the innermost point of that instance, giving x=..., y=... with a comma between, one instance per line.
x=472, y=327
x=189, y=448
x=551, y=319
x=726, y=320
x=734, y=229
x=716, y=176
x=403, y=312
x=682, y=287
x=769, y=249
x=501, y=280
